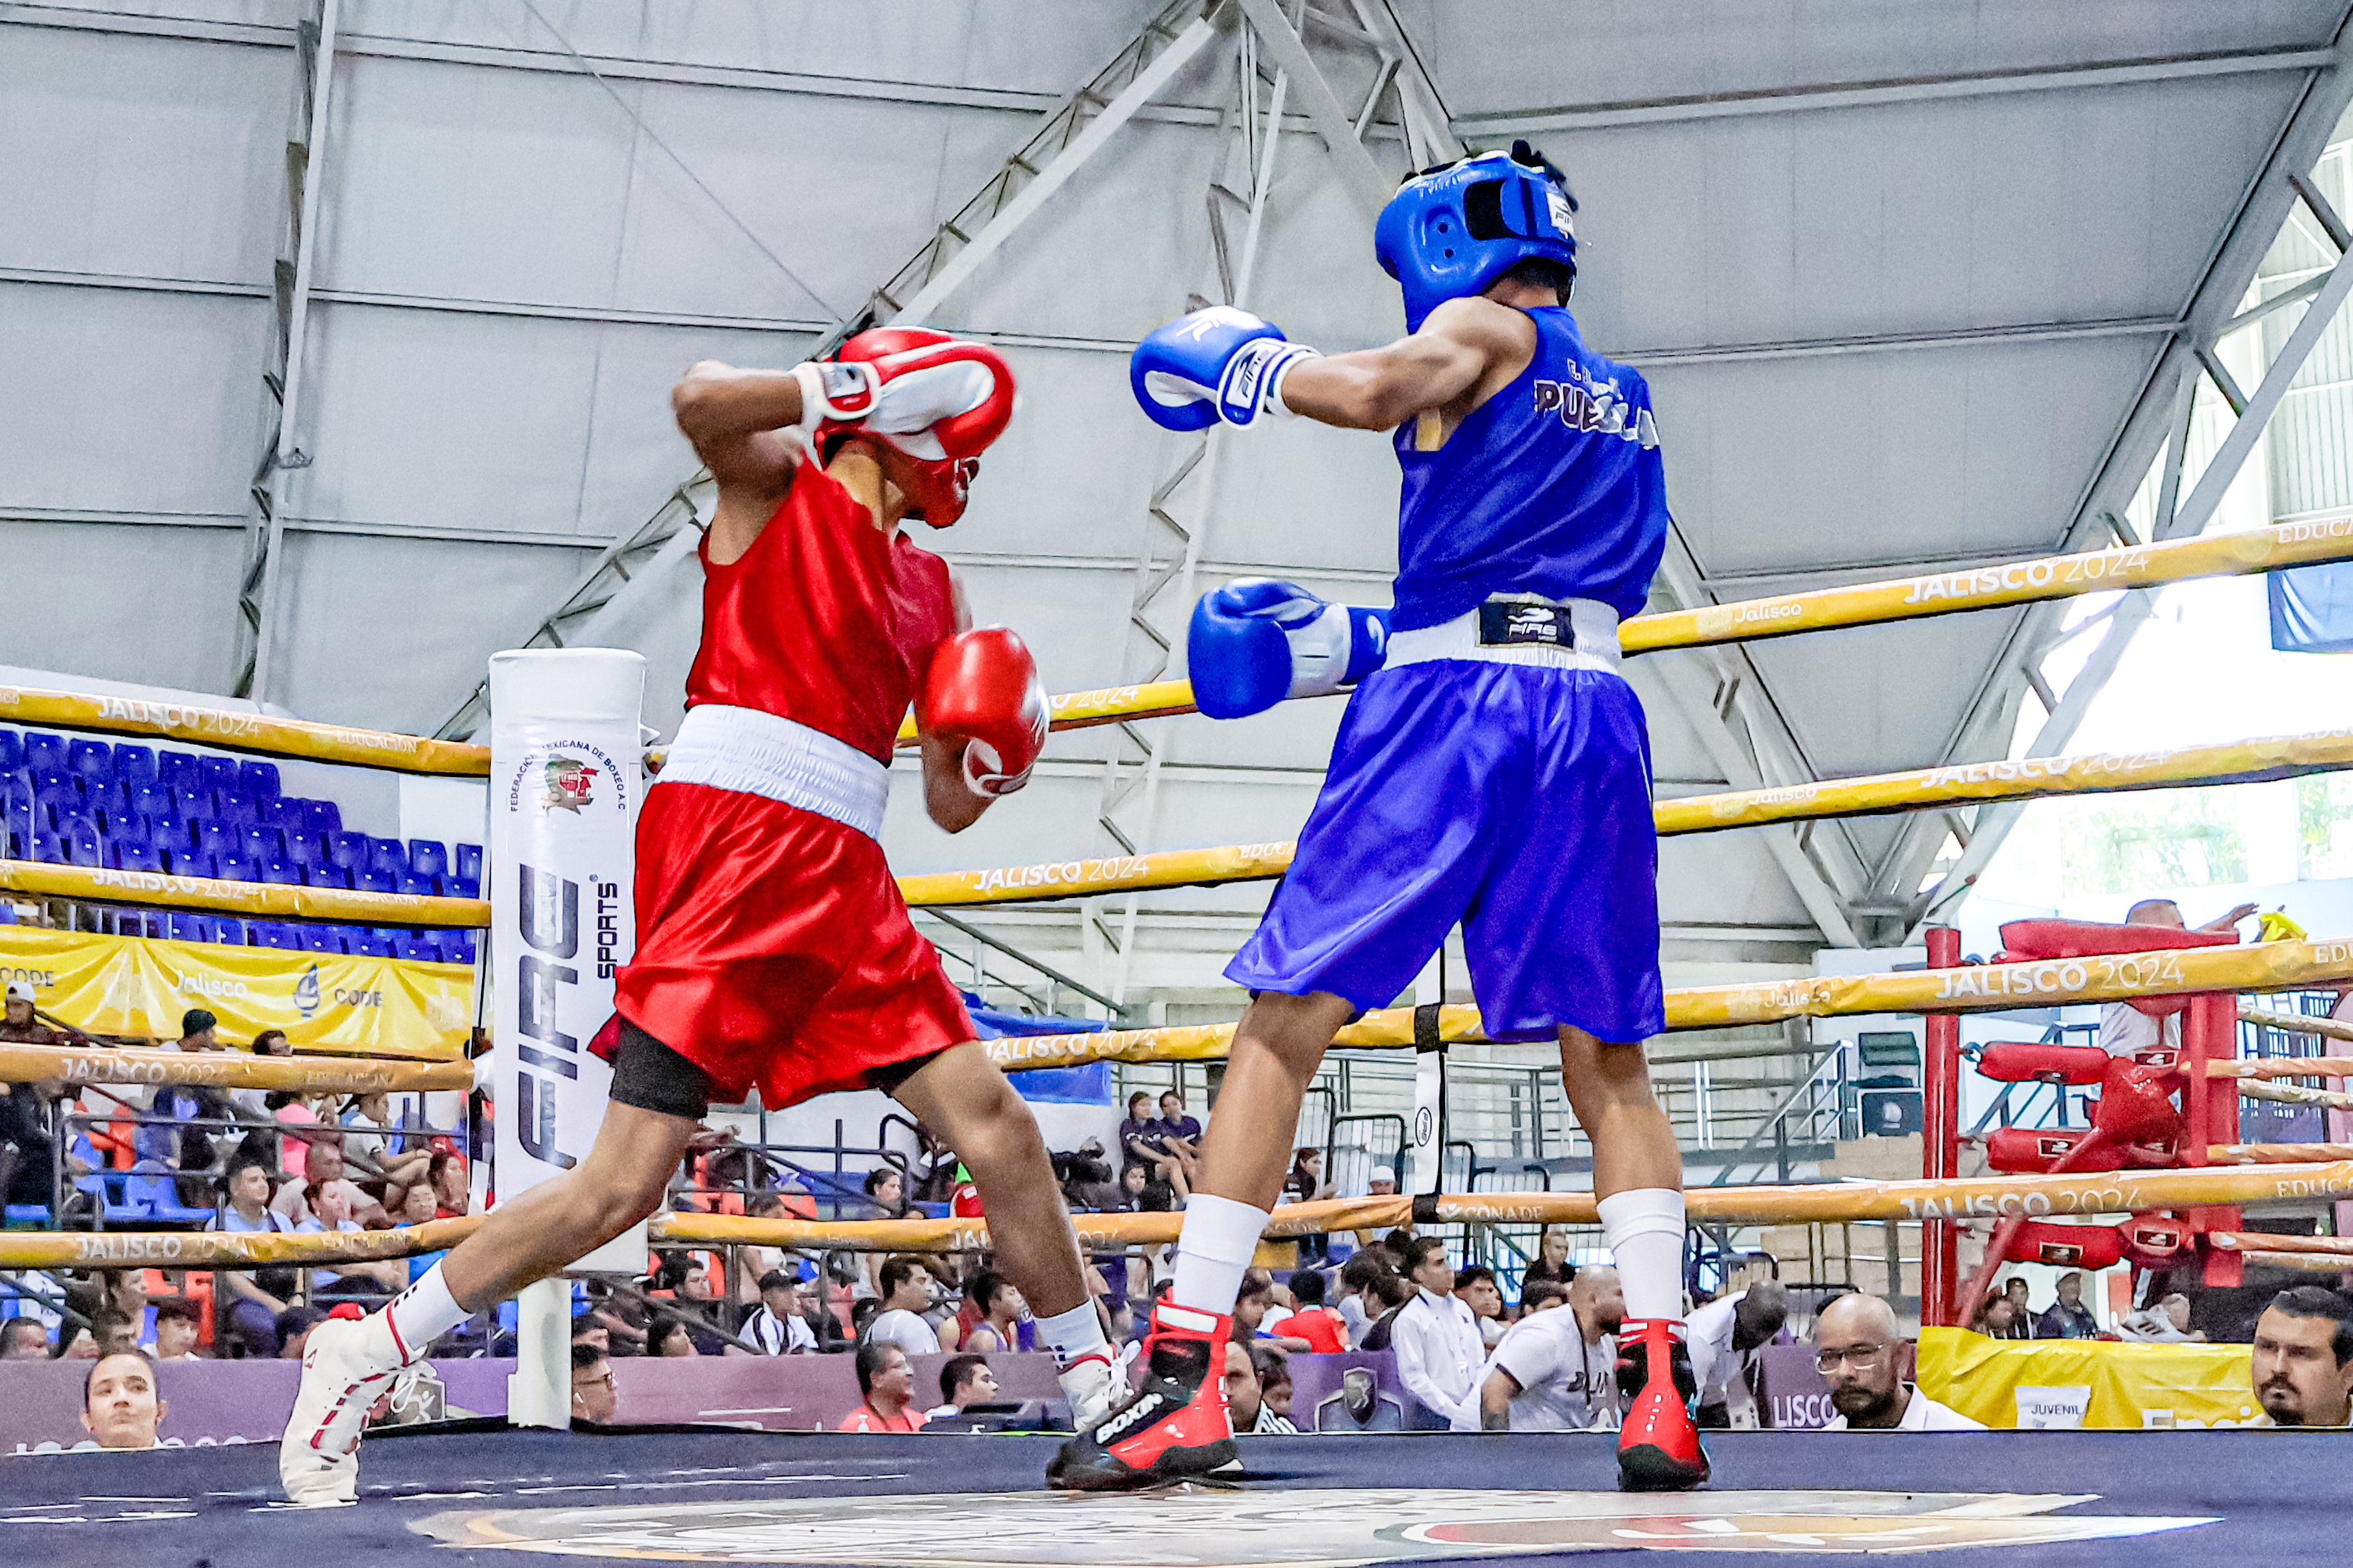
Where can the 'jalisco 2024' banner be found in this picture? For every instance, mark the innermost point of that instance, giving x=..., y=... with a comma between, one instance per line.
x=565, y=787
x=325, y=1002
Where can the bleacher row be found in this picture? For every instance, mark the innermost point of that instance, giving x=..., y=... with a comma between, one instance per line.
x=77, y=802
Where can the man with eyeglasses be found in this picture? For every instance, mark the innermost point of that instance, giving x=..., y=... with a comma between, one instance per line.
x=1863, y=1354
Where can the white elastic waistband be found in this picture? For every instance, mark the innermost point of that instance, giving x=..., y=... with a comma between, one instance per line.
x=1595, y=625
x=754, y=752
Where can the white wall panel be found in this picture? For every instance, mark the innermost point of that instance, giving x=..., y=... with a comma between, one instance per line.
x=119, y=400
x=121, y=603
x=150, y=157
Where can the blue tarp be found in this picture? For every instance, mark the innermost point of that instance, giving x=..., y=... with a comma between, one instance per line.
x=2311, y=609
x=1088, y=1085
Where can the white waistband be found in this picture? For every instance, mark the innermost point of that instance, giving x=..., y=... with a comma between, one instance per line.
x=1595, y=624
x=754, y=752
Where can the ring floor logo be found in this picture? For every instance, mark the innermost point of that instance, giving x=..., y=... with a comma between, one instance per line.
x=1188, y=1528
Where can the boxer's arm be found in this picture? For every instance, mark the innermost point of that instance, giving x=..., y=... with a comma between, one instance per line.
x=1465, y=352
x=736, y=421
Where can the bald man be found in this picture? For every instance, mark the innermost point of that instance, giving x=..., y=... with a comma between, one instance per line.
x=1862, y=1352
x=1724, y=1337
x=1556, y=1369
x=2126, y=1030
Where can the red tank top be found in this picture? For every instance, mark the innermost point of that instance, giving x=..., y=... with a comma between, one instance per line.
x=825, y=620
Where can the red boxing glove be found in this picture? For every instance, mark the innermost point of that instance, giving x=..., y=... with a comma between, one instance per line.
x=984, y=692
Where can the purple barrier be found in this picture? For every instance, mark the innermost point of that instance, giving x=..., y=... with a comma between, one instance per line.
x=208, y=1402
x=1796, y=1396
x=1356, y=1391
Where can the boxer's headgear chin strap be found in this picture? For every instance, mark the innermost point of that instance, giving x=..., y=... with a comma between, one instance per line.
x=1450, y=231
x=968, y=381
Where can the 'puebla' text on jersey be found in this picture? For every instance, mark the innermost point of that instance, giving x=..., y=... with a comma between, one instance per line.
x=1553, y=487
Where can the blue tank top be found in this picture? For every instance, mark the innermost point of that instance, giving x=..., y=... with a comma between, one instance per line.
x=1553, y=486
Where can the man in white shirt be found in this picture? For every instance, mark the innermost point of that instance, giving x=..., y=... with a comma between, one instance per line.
x=1724, y=1337
x=778, y=1328
x=2124, y=1029
x=1557, y=1369
x=906, y=1297
x=1436, y=1337
x=1859, y=1348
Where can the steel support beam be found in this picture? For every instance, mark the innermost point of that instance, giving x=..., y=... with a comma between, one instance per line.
x=1370, y=188
x=257, y=609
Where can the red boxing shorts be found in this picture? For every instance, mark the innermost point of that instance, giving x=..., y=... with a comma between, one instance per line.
x=774, y=949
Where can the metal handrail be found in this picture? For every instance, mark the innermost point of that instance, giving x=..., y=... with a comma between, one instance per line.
x=1835, y=1056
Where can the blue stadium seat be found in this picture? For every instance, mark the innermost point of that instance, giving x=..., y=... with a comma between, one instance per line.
x=423, y=886
x=376, y=882
x=303, y=848
x=130, y=857
x=193, y=802
x=84, y=847
x=45, y=752
x=329, y=877
x=12, y=751
x=389, y=855
x=459, y=946
x=415, y=947
x=282, y=871
x=58, y=790
x=321, y=939
x=135, y=764
x=194, y=863
x=180, y=770
x=324, y=816
x=221, y=774
x=468, y=862
x=89, y=759
x=218, y=837
x=367, y=943
x=178, y=927
x=150, y=1187
x=348, y=850
x=269, y=933
x=49, y=848
x=258, y=780
x=427, y=859
x=264, y=844
x=279, y=812
x=153, y=800
x=462, y=887
x=234, y=868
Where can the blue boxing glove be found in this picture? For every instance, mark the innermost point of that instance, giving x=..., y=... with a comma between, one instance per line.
x=1213, y=365
x=1256, y=641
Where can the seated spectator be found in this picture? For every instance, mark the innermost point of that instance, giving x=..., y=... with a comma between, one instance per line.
x=79, y=1345
x=2124, y=1029
x=2302, y=1363
x=670, y=1336
x=263, y=1293
x=1358, y=1304
x=419, y=1206
x=884, y=1186
x=965, y=1381
x=19, y=1027
x=2068, y=1318
x=119, y=1406
x=1551, y=1263
x=862, y=1314
x=1558, y=1371
x=1272, y=1369
x=1477, y=1288
x=1000, y=1308
x=329, y=1211
x=2016, y=1289
x=1859, y=1348
x=29, y=1120
x=370, y=1140
x=294, y=1326
x=1391, y=1291
x=114, y=1332
x=1543, y=1296
x=2165, y=1321
x=1245, y=1398
x=1311, y=1321
x=325, y=1164
x=1139, y=1131
x=588, y=1329
x=1381, y=1184
x=179, y=1321
x=593, y=1393
x=24, y=1339
x=1997, y=1319
x=906, y=1296
x=1179, y=1134
x=886, y=1388
x=446, y=1175
x=1439, y=1350
x=1252, y=1308
x=780, y=1326
x=1724, y=1337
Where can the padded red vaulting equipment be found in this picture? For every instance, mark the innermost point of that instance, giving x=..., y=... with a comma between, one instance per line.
x=2021, y=1062
x=970, y=387
x=2026, y=940
x=2067, y=1246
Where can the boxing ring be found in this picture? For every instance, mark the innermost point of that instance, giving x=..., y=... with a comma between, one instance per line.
x=712, y=1494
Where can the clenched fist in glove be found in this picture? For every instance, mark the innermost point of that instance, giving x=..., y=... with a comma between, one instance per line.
x=983, y=695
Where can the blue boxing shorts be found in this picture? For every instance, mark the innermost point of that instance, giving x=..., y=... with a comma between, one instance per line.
x=1510, y=798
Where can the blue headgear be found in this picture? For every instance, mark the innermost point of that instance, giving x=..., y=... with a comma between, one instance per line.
x=1452, y=230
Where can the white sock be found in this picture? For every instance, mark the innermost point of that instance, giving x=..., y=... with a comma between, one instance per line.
x=1220, y=1238
x=1644, y=1228
x=1074, y=1333
x=423, y=1313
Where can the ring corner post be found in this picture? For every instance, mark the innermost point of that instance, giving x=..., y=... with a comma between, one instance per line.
x=1940, y=1086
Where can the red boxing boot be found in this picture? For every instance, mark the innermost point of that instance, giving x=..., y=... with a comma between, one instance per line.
x=1657, y=1446
x=1176, y=1424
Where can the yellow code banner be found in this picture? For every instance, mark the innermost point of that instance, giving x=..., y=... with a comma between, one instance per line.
x=234, y=732
x=2027, y=1385
x=324, y=1002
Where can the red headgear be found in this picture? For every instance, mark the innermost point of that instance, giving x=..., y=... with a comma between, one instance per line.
x=961, y=393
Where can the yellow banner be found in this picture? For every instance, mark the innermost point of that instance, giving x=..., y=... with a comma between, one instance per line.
x=236, y=731
x=266, y=899
x=324, y=1002
x=2016, y=1383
